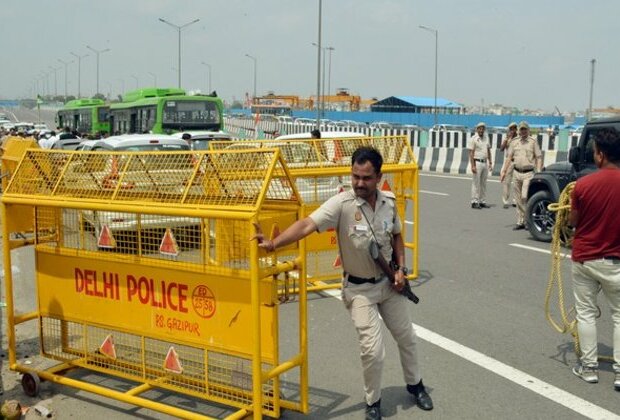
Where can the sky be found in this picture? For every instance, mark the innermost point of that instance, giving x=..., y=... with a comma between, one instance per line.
x=530, y=54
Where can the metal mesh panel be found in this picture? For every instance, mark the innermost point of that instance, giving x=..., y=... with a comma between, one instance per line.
x=227, y=179
x=318, y=153
x=181, y=242
x=204, y=372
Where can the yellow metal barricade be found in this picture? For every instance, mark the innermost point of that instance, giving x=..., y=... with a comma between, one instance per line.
x=145, y=270
x=321, y=168
x=12, y=150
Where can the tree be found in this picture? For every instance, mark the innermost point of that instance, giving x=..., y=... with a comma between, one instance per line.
x=99, y=96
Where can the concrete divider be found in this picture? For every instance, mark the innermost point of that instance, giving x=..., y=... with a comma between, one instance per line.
x=456, y=160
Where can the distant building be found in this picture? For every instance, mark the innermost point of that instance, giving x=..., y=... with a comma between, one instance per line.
x=416, y=104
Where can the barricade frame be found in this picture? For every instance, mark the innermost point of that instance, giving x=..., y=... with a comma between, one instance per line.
x=57, y=198
x=332, y=157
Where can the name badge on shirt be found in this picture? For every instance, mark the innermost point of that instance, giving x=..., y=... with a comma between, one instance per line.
x=361, y=228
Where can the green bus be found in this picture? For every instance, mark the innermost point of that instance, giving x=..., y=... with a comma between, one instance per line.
x=161, y=111
x=85, y=115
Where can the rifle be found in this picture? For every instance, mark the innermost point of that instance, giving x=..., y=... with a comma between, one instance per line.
x=390, y=269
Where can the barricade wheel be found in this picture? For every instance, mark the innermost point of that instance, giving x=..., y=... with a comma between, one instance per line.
x=31, y=384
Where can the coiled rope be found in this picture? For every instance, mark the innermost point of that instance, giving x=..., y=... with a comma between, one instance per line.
x=562, y=235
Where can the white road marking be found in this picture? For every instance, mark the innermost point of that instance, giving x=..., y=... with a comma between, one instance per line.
x=532, y=248
x=433, y=193
x=462, y=177
x=544, y=389
x=557, y=395
x=447, y=176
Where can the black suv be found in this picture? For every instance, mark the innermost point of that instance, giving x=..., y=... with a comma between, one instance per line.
x=546, y=186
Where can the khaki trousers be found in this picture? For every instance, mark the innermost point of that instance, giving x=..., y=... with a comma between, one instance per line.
x=479, y=183
x=507, y=186
x=521, y=185
x=365, y=303
x=587, y=278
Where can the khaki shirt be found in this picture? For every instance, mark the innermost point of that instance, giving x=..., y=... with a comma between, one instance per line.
x=524, y=153
x=345, y=212
x=480, y=146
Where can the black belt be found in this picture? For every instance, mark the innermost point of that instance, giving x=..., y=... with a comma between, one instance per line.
x=360, y=280
x=523, y=171
x=481, y=160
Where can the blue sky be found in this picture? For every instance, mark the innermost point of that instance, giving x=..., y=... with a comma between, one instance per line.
x=528, y=54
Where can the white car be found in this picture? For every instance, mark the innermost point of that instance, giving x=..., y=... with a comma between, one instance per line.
x=167, y=173
x=199, y=140
x=140, y=143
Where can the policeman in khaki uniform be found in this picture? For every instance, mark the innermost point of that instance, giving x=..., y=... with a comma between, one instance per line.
x=481, y=164
x=510, y=137
x=360, y=217
x=525, y=156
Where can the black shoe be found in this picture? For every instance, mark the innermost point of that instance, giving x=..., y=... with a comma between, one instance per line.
x=518, y=227
x=485, y=206
x=506, y=206
x=373, y=412
x=475, y=206
x=420, y=396
x=514, y=205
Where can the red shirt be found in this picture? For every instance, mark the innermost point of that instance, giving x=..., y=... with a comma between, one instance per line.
x=597, y=199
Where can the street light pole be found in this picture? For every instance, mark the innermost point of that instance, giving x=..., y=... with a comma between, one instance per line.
x=97, y=52
x=318, y=68
x=137, y=81
x=54, y=69
x=329, y=71
x=79, y=58
x=592, y=64
x=66, y=63
x=179, y=28
x=209, y=78
x=436, y=33
x=255, y=64
x=154, y=76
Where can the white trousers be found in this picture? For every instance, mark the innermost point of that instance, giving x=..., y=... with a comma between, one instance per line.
x=507, y=192
x=479, y=183
x=587, y=278
x=521, y=185
x=366, y=303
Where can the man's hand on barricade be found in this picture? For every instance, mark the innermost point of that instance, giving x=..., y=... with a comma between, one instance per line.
x=266, y=244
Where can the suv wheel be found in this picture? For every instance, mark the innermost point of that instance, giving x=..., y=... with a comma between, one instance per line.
x=539, y=219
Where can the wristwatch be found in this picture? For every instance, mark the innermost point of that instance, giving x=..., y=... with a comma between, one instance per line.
x=404, y=269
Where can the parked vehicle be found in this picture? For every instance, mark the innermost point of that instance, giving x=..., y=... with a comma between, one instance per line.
x=200, y=140
x=140, y=143
x=546, y=186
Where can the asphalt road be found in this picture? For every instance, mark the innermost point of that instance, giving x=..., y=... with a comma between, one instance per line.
x=20, y=114
x=486, y=350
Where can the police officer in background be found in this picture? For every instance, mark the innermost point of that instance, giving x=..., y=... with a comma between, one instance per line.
x=480, y=159
x=511, y=135
x=525, y=156
x=360, y=217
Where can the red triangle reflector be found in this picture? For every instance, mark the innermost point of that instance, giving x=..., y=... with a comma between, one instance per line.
x=337, y=262
x=107, y=347
x=168, y=244
x=172, y=362
x=106, y=239
x=386, y=186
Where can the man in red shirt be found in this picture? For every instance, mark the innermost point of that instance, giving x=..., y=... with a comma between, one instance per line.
x=595, y=213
